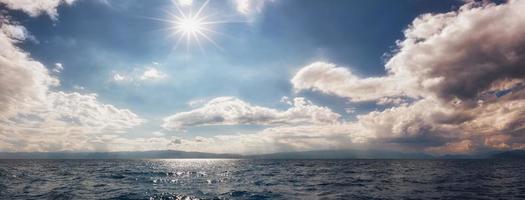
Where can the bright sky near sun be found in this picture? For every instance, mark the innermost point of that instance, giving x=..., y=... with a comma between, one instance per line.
x=262, y=76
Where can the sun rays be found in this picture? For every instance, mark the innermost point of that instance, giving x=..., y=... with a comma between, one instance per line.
x=191, y=28
x=195, y=28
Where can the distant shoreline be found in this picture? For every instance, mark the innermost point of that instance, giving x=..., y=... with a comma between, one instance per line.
x=302, y=155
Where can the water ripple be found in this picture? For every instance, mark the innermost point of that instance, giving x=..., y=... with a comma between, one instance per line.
x=262, y=179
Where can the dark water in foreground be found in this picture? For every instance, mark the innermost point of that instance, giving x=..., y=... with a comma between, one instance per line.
x=262, y=179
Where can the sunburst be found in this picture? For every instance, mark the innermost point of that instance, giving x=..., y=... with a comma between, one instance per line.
x=193, y=27
x=189, y=27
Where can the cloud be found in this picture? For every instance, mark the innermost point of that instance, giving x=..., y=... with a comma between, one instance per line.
x=86, y=110
x=330, y=79
x=148, y=74
x=455, y=83
x=64, y=111
x=462, y=54
x=250, y=7
x=117, y=77
x=58, y=68
x=16, y=65
x=425, y=125
x=233, y=111
x=152, y=74
x=460, y=147
x=34, y=116
x=37, y=7
x=78, y=87
x=424, y=64
x=286, y=100
x=270, y=140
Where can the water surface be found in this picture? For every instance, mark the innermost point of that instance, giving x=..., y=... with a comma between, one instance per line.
x=262, y=179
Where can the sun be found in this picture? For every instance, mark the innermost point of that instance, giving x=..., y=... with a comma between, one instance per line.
x=192, y=27
x=189, y=26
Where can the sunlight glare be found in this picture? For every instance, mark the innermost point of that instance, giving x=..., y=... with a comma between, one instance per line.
x=189, y=26
x=192, y=27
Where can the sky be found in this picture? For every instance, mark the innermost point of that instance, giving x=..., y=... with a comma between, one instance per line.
x=262, y=76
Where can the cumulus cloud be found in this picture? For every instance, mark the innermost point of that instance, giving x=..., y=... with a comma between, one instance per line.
x=456, y=82
x=427, y=125
x=462, y=54
x=33, y=115
x=331, y=79
x=233, y=111
x=67, y=113
x=270, y=140
x=424, y=65
x=37, y=7
x=16, y=65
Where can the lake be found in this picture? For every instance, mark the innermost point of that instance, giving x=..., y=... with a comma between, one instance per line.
x=262, y=179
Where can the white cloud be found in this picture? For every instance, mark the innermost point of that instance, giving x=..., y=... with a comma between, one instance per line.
x=148, y=74
x=86, y=110
x=456, y=82
x=424, y=65
x=483, y=55
x=36, y=117
x=14, y=32
x=15, y=65
x=274, y=139
x=152, y=74
x=62, y=111
x=37, y=7
x=78, y=87
x=422, y=126
x=330, y=79
x=285, y=100
x=58, y=68
x=117, y=77
x=233, y=111
x=249, y=7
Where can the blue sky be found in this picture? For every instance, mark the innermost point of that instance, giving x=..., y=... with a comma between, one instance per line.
x=124, y=52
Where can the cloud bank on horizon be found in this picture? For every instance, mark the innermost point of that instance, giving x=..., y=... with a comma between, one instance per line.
x=453, y=84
